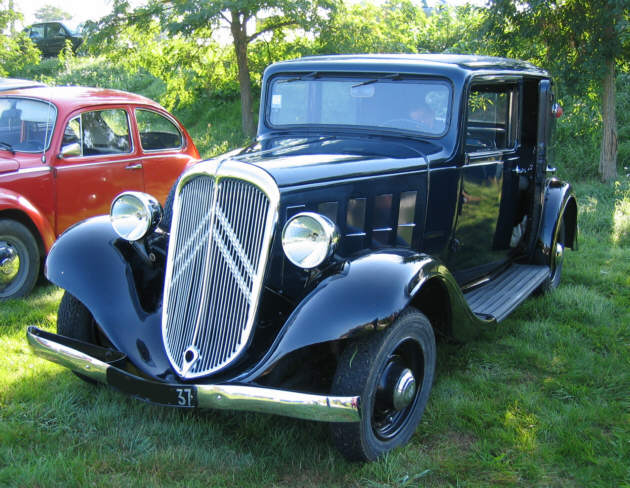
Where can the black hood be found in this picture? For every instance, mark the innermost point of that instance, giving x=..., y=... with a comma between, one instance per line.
x=304, y=161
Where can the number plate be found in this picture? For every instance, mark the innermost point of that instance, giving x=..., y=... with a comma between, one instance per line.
x=183, y=396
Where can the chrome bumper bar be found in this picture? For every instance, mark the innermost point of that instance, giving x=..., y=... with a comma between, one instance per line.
x=107, y=366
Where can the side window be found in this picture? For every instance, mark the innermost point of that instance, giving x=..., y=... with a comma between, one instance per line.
x=71, y=143
x=492, y=118
x=55, y=30
x=157, y=132
x=105, y=132
x=37, y=32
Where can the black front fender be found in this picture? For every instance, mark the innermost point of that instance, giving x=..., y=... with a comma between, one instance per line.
x=368, y=294
x=86, y=262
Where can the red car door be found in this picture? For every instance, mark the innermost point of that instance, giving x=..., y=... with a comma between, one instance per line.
x=97, y=160
x=165, y=149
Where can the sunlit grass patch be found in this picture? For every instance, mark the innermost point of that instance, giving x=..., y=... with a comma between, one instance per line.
x=621, y=217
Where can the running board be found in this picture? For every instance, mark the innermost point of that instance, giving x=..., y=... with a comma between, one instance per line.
x=502, y=294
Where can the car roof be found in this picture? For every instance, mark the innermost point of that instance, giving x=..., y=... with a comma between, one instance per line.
x=47, y=23
x=14, y=83
x=414, y=63
x=74, y=97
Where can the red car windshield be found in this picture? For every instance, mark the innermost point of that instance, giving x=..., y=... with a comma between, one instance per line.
x=26, y=125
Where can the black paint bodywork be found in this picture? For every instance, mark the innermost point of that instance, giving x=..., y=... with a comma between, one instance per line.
x=362, y=180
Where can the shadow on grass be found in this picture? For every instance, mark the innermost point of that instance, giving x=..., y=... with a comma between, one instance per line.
x=51, y=411
x=39, y=308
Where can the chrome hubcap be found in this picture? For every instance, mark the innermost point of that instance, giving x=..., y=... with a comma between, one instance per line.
x=404, y=390
x=559, y=253
x=9, y=263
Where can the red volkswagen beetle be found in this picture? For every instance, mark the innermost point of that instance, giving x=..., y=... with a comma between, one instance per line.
x=65, y=152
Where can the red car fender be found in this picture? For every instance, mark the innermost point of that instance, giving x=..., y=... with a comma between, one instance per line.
x=10, y=200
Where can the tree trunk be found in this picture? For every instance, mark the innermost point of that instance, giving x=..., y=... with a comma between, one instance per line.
x=239, y=35
x=608, y=154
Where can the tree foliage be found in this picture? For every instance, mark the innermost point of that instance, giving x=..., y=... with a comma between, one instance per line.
x=16, y=50
x=185, y=53
x=246, y=20
x=48, y=13
x=585, y=42
x=400, y=26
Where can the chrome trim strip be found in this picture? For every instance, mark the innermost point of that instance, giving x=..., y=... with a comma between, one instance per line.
x=230, y=397
x=43, y=169
x=67, y=356
x=279, y=402
x=69, y=164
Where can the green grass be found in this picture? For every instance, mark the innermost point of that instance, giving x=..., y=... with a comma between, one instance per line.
x=542, y=400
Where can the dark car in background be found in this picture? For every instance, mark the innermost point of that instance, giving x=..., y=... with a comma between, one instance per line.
x=51, y=37
x=388, y=200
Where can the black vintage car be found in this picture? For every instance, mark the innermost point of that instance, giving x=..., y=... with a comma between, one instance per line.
x=387, y=200
x=51, y=37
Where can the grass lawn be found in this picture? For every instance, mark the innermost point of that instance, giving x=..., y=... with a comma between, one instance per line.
x=542, y=400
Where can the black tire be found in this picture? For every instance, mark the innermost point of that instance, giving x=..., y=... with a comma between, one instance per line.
x=75, y=320
x=366, y=368
x=556, y=260
x=19, y=260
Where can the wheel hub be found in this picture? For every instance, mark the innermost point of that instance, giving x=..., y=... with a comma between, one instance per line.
x=9, y=263
x=559, y=253
x=404, y=390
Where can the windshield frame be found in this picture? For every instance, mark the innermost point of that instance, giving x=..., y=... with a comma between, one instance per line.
x=51, y=130
x=358, y=79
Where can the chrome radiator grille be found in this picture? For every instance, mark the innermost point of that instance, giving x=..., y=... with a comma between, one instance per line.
x=218, y=249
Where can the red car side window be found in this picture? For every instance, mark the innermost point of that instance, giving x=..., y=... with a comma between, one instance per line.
x=100, y=132
x=157, y=132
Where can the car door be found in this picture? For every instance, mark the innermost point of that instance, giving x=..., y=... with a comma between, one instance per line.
x=97, y=160
x=483, y=236
x=55, y=39
x=37, y=33
x=162, y=144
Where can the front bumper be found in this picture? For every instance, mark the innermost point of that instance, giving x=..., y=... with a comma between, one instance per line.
x=108, y=366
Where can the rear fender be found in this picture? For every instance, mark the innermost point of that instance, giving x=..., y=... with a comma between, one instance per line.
x=87, y=264
x=559, y=203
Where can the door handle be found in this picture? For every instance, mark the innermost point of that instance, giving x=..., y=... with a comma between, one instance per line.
x=519, y=171
x=134, y=166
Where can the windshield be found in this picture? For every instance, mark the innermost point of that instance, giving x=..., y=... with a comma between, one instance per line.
x=413, y=105
x=26, y=124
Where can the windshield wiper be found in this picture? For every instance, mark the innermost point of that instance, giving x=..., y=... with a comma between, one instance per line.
x=7, y=146
x=393, y=76
x=311, y=76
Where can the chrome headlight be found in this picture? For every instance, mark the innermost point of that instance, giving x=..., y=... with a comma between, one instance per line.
x=134, y=214
x=308, y=239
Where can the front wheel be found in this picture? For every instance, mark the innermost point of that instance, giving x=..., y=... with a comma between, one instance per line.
x=19, y=260
x=393, y=372
x=74, y=320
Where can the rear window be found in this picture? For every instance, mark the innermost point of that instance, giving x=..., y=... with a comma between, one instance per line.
x=157, y=132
